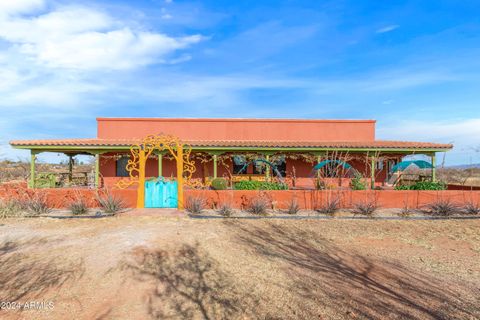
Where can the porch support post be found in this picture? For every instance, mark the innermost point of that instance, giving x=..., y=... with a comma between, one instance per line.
x=31, y=183
x=97, y=170
x=160, y=168
x=180, y=177
x=267, y=168
x=215, y=166
x=372, y=172
x=434, y=167
x=70, y=168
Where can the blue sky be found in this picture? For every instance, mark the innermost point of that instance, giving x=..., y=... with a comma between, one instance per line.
x=412, y=65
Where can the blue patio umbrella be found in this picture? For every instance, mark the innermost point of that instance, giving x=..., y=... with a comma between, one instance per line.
x=401, y=166
x=320, y=165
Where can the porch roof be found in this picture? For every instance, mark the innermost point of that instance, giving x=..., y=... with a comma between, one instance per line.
x=119, y=144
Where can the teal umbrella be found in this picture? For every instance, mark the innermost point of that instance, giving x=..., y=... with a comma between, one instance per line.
x=401, y=166
x=320, y=165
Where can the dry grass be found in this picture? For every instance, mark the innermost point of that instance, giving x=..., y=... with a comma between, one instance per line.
x=154, y=267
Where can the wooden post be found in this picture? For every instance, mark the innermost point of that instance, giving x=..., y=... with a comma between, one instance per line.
x=214, y=166
x=267, y=168
x=141, y=179
x=31, y=183
x=180, y=176
x=372, y=173
x=434, y=167
x=160, y=168
x=97, y=170
x=70, y=168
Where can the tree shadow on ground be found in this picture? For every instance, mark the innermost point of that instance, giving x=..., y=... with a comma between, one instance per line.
x=188, y=285
x=349, y=284
x=29, y=271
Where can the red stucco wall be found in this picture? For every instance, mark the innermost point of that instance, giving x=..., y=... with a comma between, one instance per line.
x=239, y=129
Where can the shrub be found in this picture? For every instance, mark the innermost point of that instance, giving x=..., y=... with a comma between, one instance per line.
x=219, y=184
x=293, y=207
x=10, y=208
x=330, y=206
x=110, y=203
x=443, y=207
x=195, y=204
x=423, y=185
x=78, y=207
x=472, y=208
x=259, y=185
x=366, y=208
x=357, y=182
x=225, y=209
x=38, y=205
x=405, y=211
x=258, y=206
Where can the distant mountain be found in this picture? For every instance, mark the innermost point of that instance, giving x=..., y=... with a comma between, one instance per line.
x=464, y=166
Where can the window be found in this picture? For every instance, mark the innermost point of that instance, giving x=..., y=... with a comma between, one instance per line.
x=239, y=165
x=259, y=167
x=122, y=166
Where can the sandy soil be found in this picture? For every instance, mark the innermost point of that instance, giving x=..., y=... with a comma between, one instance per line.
x=147, y=267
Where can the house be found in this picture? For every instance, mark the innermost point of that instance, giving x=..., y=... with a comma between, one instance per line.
x=295, y=150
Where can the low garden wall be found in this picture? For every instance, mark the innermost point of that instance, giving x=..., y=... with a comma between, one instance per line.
x=307, y=199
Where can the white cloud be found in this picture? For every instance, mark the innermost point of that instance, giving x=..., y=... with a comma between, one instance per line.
x=83, y=38
x=388, y=28
x=464, y=134
x=20, y=6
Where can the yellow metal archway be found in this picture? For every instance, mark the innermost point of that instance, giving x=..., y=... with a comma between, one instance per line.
x=140, y=153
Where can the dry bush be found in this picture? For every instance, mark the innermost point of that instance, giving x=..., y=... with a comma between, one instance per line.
x=110, y=204
x=195, y=204
x=293, y=207
x=442, y=207
x=225, y=209
x=366, y=208
x=37, y=204
x=258, y=206
x=472, y=208
x=11, y=208
x=78, y=207
x=329, y=207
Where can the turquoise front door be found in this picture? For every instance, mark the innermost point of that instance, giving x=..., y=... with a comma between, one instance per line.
x=161, y=194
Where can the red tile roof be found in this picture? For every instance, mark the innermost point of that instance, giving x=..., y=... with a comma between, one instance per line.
x=244, y=143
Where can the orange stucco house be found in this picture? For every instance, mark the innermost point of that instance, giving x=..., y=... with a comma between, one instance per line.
x=230, y=148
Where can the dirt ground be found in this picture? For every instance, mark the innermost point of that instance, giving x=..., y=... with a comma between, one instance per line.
x=147, y=267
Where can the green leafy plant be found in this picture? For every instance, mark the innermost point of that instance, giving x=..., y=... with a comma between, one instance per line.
x=110, y=204
x=225, y=209
x=259, y=185
x=78, y=207
x=423, y=185
x=357, y=182
x=195, y=204
x=219, y=184
x=329, y=207
x=258, y=206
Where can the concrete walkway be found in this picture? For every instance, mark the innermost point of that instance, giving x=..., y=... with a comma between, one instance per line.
x=154, y=212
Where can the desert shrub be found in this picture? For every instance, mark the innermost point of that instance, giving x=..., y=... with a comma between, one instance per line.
x=357, y=182
x=11, y=208
x=405, y=211
x=365, y=208
x=330, y=206
x=195, y=204
x=78, y=207
x=472, y=208
x=258, y=206
x=423, y=185
x=37, y=204
x=110, y=204
x=443, y=207
x=293, y=207
x=219, y=184
x=225, y=209
x=259, y=185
